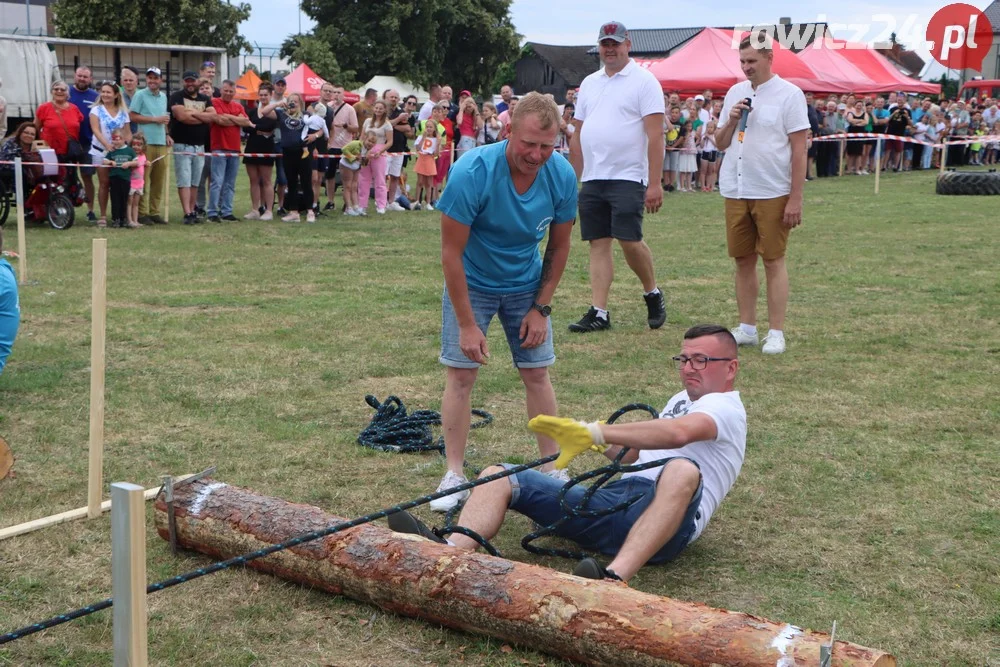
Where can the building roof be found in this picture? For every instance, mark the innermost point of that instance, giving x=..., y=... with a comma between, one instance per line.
x=573, y=63
x=908, y=62
x=993, y=14
x=646, y=41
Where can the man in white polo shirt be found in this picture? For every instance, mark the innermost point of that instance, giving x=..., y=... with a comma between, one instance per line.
x=617, y=151
x=761, y=180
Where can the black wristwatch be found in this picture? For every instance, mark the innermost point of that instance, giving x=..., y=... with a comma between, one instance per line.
x=544, y=310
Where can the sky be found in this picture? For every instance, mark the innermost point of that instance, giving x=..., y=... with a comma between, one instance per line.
x=576, y=21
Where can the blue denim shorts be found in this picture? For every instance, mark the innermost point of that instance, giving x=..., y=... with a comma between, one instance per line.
x=536, y=495
x=187, y=168
x=511, y=309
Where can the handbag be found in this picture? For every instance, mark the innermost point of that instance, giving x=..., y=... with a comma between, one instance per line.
x=74, y=150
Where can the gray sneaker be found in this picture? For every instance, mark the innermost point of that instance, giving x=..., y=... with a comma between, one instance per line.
x=743, y=338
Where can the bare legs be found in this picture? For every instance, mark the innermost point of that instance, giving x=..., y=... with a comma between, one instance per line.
x=602, y=270
x=748, y=288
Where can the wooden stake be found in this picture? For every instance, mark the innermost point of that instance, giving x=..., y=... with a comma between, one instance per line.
x=22, y=259
x=128, y=575
x=842, y=143
x=944, y=156
x=70, y=515
x=98, y=321
x=166, y=186
x=878, y=162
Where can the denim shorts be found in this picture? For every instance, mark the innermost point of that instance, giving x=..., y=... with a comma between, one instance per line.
x=187, y=168
x=511, y=309
x=536, y=495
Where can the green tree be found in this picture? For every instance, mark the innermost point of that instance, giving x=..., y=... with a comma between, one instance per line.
x=460, y=42
x=317, y=53
x=199, y=23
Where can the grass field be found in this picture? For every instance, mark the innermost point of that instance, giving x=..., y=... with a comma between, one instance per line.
x=870, y=493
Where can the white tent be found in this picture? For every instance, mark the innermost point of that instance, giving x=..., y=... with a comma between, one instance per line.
x=382, y=83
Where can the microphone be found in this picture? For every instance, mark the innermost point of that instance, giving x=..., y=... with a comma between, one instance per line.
x=743, y=119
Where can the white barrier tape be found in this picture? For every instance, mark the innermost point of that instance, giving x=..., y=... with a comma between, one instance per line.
x=75, y=164
x=857, y=136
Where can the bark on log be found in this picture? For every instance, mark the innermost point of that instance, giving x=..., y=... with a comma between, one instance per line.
x=594, y=622
x=6, y=458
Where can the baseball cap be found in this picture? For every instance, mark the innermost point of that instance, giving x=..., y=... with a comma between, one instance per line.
x=154, y=70
x=465, y=93
x=699, y=98
x=841, y=106
x=281, y=80
x=190, y=75
x=612, y=30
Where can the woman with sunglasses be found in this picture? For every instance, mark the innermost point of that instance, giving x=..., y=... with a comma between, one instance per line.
x=58, y=122
x=106, y=116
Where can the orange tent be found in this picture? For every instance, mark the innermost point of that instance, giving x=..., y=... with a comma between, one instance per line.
x=247, y=85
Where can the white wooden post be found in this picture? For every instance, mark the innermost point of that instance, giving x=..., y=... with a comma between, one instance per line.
x=22, y=259
x=128, y=575
x=878, y=162
x=98, y=320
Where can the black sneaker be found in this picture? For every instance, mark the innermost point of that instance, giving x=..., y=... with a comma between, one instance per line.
x=404, y=522
x=200, y=211
x=189, y=218
x=329, y=206
x=215, y=218
x=146, y=220
x=656, y=309
x=591, y=322
x=588, y=568
x=230, y=218
x=281, y=211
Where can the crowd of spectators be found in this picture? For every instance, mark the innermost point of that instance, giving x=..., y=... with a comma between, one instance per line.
x=365, y=148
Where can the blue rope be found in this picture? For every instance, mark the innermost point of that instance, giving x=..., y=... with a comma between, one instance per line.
x=267, y=551
x=393, y=430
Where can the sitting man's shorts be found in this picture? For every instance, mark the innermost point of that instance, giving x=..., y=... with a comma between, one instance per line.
x=511, y=309
x=611, y=209
x=755, y=226
x=536, y=495
x=188, y=168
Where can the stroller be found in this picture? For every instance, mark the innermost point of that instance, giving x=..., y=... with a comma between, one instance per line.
x=54, y=191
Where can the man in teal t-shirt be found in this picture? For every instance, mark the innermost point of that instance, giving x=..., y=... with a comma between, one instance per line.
x=10, y=308
x=149, y=110
x=498, y=204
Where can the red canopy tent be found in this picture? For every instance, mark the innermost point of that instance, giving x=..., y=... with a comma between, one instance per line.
x=878, y=68
x=827, y=62
x=709, y=61
x=305, y=82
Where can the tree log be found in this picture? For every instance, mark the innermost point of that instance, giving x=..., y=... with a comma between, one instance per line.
x=594, y=622
x=6, y=458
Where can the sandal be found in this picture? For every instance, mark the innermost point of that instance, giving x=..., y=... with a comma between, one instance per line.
x=102, y=222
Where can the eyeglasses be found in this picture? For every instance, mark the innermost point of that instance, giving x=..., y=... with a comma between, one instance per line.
x=107, y=82
x=698, y=361
x=207, y=63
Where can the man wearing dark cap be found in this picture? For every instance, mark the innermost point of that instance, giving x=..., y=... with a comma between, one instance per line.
x=149, y=110
x=191, y=115
x=617, y=151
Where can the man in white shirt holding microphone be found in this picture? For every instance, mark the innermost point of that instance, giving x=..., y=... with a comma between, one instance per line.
x=761, y=179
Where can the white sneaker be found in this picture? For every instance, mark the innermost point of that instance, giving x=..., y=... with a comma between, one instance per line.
x=267, y=216
x=252, y=215
x=559, y=475
x=394, y=206
x=773, y=345
x=310, y=216
x=361, y=211
x=743, y=338
x=428, y=207
x=291, y=217
x=447, y=503
x=380, y=211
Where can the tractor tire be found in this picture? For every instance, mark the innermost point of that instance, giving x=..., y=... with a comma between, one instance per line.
x=968, y=183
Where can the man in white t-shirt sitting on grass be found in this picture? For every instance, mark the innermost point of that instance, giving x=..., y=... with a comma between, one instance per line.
x=701, y=434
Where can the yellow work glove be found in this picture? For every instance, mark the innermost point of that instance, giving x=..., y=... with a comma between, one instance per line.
x=573, y=437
